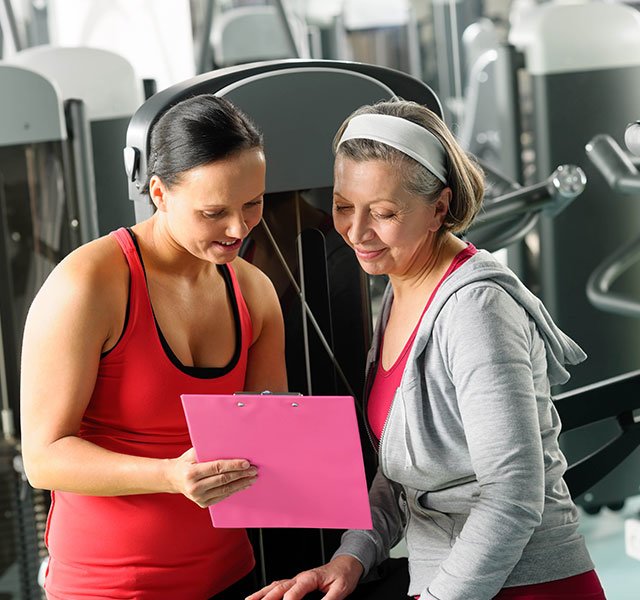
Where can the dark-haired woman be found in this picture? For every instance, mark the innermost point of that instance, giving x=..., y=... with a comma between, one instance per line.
x=121, y=328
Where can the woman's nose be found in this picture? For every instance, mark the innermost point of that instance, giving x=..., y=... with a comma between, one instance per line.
x=359, y=230
x=237, y=227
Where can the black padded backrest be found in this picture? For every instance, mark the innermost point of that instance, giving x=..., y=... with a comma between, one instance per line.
x=617, y=398
x=299, y=111
x=298, y=104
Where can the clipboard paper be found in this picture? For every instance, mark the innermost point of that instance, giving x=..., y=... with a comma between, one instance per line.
x=307, y=450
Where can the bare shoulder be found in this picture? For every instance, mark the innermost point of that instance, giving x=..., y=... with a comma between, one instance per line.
x=95, y=262
x=259, y=294
x=253, y=282
x=95, y=273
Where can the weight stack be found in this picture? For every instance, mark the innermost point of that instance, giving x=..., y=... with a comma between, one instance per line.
x=8, y=550
x=23, y=516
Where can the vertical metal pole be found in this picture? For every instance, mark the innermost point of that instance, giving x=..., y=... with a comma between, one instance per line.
x=10, y=25
x=303, y=298
x=7, y=427
x=38, y=24
x=204, y=51
x=288, y=31
x=83, y=167
x=455, y=48
x=442, y=55
x=8, y=342
x=508, y=108
x=341, y=46
x=263, y=565
x=413, y=45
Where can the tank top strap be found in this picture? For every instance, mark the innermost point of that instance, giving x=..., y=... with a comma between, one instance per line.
x=137, y=279
x=243, y=310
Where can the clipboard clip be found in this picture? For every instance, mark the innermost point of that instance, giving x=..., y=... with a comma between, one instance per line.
x=267, y=393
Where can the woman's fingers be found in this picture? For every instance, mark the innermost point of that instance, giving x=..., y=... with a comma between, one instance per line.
x=215, y=488
x=275, y=590
x=261, y=593
x=220, y=493
x=222, y=467
x=289, y=589
x=209, y=482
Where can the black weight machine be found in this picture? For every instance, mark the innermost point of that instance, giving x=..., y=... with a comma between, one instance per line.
x=326, y=300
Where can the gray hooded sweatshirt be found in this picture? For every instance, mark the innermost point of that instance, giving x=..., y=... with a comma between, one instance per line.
x=470, y=470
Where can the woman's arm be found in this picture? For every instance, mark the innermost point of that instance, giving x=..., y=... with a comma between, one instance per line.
x=359, y=552
x=372, y=547
x=488, y=348
x=71, y=319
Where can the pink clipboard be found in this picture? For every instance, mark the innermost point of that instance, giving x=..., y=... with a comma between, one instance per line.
x=307, y=450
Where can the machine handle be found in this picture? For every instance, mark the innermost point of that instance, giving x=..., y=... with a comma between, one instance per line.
x=550, y=197
x=622, y=176
x=602, y=278
x=632, y=138
x=614, y=164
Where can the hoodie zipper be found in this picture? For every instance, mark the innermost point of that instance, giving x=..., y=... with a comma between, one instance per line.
x=368, y=384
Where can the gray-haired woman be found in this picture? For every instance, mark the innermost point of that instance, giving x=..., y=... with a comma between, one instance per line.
x=458, y=389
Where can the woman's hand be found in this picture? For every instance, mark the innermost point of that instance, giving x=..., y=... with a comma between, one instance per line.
x=337, y=579
x=207, y=483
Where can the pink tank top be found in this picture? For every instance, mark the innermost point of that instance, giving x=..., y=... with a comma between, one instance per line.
x=386, y=382
x=148, y=546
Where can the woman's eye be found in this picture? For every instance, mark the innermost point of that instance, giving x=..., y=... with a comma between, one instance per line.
x=383, y=216
x=253, y=204
x=339, y=208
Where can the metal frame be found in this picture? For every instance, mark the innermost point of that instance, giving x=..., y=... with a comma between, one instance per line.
x=615, y=398
x=144, y=119
x=622, y=176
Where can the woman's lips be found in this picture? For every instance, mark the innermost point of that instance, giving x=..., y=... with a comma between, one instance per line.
x=368, y=254
x=228, y=247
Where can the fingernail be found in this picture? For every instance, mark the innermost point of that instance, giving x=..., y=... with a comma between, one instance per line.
x=245, y=465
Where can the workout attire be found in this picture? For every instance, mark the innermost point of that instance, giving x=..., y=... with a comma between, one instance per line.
x=387, y=381
x=470, y=471
x=147, y=546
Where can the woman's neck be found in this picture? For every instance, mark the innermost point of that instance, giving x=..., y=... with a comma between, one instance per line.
x=164, y=255
x=423, y=281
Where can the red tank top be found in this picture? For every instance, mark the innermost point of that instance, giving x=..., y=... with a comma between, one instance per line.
x=148, y=546
x=386, y=382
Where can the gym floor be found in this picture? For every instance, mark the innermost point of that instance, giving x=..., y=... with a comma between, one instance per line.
x=604, y=533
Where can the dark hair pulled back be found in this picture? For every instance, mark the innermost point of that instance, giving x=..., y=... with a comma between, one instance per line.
x=197, y=131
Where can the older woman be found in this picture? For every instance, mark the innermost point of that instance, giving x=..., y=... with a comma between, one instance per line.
x=458, y=390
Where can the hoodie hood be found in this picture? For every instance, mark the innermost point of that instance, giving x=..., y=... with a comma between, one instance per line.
x=560, y=348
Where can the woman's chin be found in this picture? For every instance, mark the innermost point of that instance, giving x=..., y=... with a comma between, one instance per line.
x=371, y=268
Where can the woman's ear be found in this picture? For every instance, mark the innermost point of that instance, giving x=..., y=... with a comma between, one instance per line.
x=157, y=192
x=441, y=207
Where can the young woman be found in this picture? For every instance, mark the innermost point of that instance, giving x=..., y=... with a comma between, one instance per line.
x=459, y=378
x=121, y=328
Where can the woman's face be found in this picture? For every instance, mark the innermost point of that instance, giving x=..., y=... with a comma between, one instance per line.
x=213, y=207
x=392, y=232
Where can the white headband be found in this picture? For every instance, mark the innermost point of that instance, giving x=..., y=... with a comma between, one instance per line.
x=408, y=137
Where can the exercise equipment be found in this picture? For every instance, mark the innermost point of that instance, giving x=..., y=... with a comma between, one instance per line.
x=323, y=293
x=101, y=91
